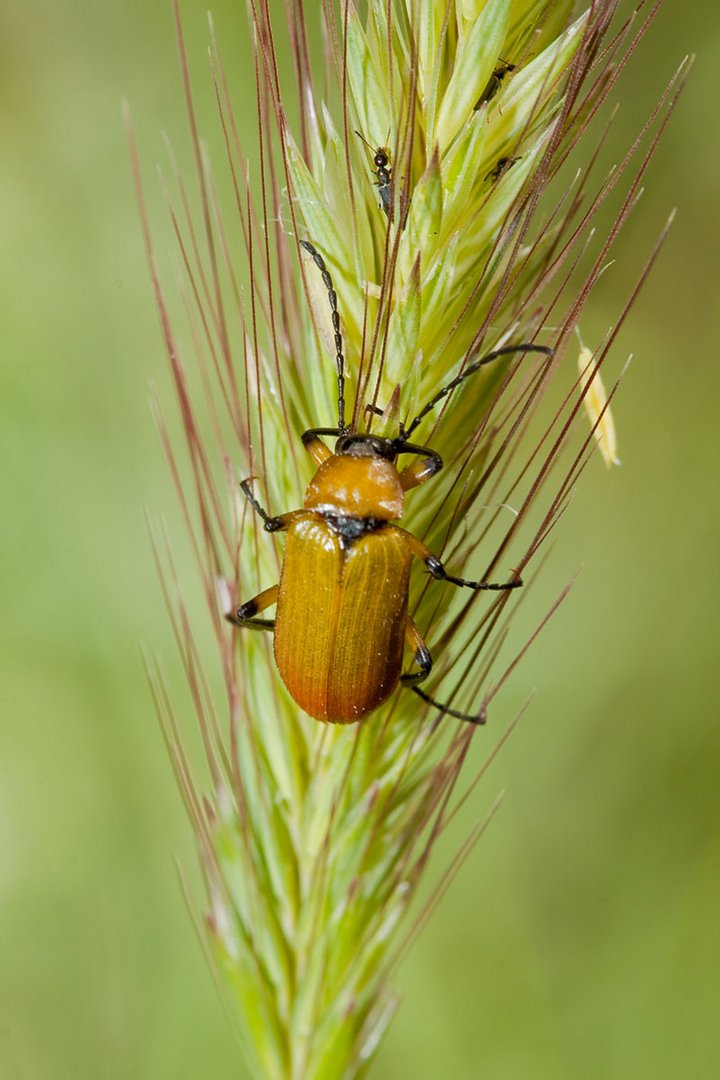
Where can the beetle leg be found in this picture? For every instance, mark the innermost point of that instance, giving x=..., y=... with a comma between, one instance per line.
x=436, y=568
x=271, y=524
x=427, y=464
x=414, y=640
x=247, y=492
x=245, y=614
x=480, y=719
x=283, y=521
x=317, y=449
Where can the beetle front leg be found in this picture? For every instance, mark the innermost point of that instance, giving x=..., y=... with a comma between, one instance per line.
x=438, y=571
x=245, y=614
x=314, y=445
x=428, y=463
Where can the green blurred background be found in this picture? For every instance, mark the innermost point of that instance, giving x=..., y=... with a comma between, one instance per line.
x=582, y=937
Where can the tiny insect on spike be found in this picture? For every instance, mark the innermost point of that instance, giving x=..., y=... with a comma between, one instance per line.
x=503, y=164
x=502, y=68
x=342, y=621
x=381, y=161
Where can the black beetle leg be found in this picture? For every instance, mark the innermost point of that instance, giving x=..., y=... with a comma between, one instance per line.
x=414, y=640
x=438, y=571
x=245, y=614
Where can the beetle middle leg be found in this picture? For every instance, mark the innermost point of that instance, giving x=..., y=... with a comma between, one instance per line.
x=245, y=614
x=436, y=568
x=415, y=641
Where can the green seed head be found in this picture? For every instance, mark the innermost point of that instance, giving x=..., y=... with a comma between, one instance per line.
x=314, y=838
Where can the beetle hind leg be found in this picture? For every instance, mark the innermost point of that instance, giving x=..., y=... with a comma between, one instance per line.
x=415, y=641
x=478, y=720
x=245, y=614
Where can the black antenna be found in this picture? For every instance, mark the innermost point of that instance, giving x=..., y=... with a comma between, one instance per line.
x=368, y=144
x=339, y=359
x=506, y=350
x=384, y=183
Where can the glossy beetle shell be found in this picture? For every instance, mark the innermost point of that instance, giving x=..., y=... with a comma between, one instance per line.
x=341, y=615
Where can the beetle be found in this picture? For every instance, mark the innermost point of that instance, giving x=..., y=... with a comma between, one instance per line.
x=503, y=68
x=381, y=161
x=342, y=617
x=501, y=167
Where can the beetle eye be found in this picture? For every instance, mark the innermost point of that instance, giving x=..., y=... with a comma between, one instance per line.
x=366, y=446
x=346, y=444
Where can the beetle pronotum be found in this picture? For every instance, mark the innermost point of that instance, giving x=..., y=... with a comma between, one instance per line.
x=342, y=617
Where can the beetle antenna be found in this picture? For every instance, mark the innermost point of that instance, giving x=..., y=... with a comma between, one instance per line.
x=506, y=350
x=362, y=137
x=339, y=358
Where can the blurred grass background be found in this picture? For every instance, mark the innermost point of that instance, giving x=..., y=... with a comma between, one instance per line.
x=582, y=937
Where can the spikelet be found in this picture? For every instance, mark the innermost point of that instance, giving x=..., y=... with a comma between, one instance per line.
x=597, y=408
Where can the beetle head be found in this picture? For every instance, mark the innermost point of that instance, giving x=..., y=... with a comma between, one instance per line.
x=361, y=445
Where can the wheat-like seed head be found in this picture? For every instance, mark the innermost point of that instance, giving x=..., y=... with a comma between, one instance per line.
x=313, y=838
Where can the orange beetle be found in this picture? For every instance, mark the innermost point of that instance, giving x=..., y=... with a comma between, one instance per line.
x=342, y=601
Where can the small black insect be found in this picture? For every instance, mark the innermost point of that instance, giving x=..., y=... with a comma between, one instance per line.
x=495, y=82
x=504, y=163
x=381, y=161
